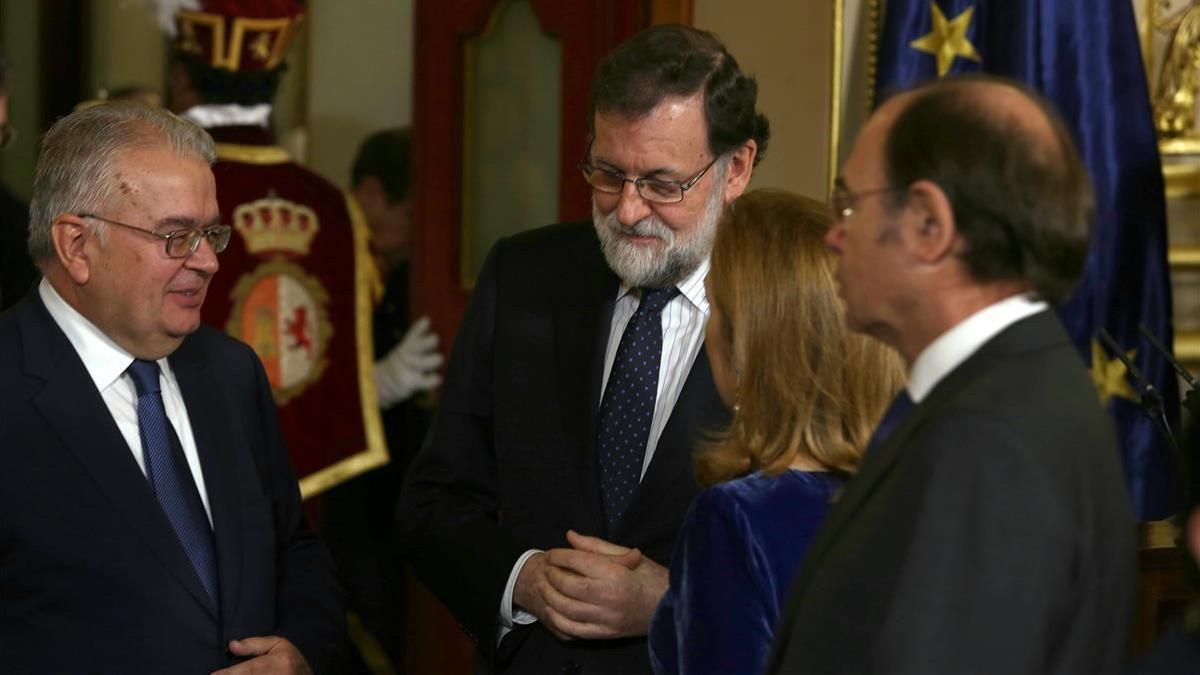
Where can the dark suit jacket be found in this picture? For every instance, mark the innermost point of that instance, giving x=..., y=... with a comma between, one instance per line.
x=92, y=577
x=511, y=460
x=990, y=533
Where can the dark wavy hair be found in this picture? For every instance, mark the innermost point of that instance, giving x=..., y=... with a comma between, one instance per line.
x=677, y=61
x=218, y=85
x=1022, y=201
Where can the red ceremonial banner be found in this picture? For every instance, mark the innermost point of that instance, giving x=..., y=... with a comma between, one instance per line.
x=296, y=285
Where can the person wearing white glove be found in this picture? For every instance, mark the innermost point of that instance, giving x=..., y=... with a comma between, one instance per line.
x=411, y=366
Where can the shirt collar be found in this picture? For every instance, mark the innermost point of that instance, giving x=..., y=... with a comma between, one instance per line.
x=957, y=344
x=103, y=358
x=691, y=287
x=230, y=114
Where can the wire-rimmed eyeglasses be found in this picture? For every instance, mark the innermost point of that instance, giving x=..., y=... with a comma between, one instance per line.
x=654, y=190
x=843, y=202
x=180, y=243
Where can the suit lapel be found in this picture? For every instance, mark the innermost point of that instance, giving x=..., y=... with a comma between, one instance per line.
x=1029, y=334
x=74, y=409
x=1033, y=333
x=215, y=447
x=581, y=326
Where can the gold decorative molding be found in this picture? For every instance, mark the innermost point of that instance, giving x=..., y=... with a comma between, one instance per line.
x=1187, y=346
x=873, y=12
x=1182, y=180
x=252, y=154
x=1179, y=146
x=874, y=17
x=835, y=94
x=1157, y=534
x=1184, y=256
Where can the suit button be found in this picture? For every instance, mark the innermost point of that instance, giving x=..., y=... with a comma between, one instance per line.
x=571, y=668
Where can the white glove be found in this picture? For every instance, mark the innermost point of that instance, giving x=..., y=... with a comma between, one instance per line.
x=410, y=367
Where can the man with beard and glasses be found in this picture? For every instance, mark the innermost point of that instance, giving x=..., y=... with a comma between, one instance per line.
x=546, y=503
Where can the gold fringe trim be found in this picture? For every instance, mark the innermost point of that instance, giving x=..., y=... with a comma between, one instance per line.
x=252, y=154
x=372, y=653
x=376, y=452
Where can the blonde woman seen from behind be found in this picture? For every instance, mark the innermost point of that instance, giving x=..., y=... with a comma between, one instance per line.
x=806, y=395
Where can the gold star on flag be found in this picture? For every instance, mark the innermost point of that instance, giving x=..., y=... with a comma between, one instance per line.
x=948, y=39
x=1109, y=375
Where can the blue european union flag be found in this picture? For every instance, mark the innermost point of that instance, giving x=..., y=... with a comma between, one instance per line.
x=1083, y=56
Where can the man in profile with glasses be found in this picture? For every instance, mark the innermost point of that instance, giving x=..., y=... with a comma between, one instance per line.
x=151, y=520
x=546, y=503
x=988, y=529
x=17, y=273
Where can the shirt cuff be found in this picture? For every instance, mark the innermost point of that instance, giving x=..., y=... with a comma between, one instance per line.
x=509, y=617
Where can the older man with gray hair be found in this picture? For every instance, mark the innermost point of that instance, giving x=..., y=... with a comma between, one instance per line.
x=150, y=520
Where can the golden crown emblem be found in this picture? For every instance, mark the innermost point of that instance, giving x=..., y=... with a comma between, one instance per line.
x=276, y=225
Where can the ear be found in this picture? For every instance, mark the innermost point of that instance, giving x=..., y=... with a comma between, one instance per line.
x=934, y=234
x=741, y=166
x=69, y=235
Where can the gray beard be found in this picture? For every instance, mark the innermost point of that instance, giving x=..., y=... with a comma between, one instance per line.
x=671, y=262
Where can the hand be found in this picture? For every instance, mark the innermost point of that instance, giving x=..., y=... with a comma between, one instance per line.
x=268, y=655
x=597, y=589
x=531, y=590
x=410, y=367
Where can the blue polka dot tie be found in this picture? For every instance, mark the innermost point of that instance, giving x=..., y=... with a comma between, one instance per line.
x=170, y=479
x=627, y=407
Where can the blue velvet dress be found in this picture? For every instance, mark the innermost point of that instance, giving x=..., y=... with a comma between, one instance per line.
x=733, y=563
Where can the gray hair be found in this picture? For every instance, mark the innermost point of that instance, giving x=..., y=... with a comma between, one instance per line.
x=77, y=169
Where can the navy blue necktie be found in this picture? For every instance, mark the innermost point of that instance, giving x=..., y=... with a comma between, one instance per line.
x=891, y=420
x=627, y=409
x=169, y=477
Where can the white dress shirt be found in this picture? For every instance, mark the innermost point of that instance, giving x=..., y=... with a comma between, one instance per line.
x=957, y=344
x=106, y=363
x=683, y=322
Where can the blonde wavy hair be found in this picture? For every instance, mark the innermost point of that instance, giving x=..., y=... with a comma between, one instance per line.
x=806, y=386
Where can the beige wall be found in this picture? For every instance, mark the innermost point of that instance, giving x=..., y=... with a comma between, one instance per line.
x=788, y=47
x=127, y=48
x=349, y=72
x=360, y=77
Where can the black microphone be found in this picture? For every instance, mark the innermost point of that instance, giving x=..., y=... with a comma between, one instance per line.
x=1151, y=399
x=1152, y=405
x=1187, y=457
x=1111, y=344
x=1191, y=400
